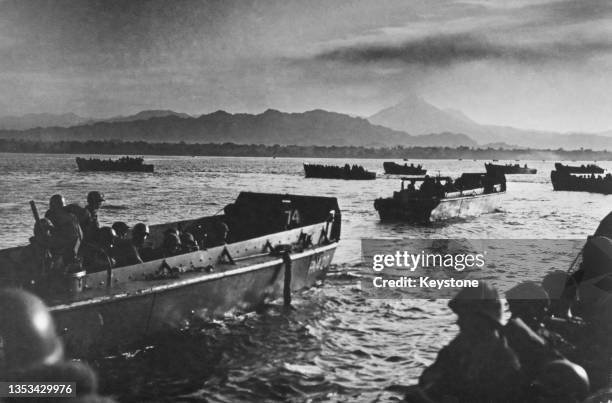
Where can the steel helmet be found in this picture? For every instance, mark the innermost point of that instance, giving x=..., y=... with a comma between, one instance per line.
x=28, y=331
x=528, y=297
x=527, y=290
x=56, y=202
x=95, y=197
x=120, y=228
x=563, y=378
x=482, y=300
x=140, y=229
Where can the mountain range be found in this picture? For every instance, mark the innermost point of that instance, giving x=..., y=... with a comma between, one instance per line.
x=315, y=127
x=412, y=122
x=416, y=116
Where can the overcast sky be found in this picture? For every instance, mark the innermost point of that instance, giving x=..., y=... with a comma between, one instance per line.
x=543, y=64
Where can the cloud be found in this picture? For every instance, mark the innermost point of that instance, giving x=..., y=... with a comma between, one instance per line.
x=447, y=49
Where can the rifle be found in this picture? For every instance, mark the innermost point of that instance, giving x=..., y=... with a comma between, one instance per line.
x=34, y=210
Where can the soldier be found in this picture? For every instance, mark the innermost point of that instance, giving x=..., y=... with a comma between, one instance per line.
x=478, y=365
x=525, y=333
x=33, y=352
x=188, y=242
x=172, y=243
x=100, y=255
x=66, y=233
x=128, y=251
x=94, y=202
x=121, y=229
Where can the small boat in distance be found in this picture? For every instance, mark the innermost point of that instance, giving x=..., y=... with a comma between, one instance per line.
x=123, y=164
x=264, y=247
x=565, y=180
x=582, y=169
x=355, y=172
x=397, y=169
x=509, y=169
x=469, y=195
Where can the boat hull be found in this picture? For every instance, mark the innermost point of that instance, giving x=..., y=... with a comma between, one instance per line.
x=563, y=181
x=277, y=243
x=509, y=169
x=425, y=210
x=96, y=165
x=588, y=169
x=334, y=172
x=106, y=326
x=392, y=168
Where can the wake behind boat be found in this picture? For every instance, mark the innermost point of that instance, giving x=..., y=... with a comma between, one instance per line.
x=470, y=194
x=276, y=244
x=123, y=164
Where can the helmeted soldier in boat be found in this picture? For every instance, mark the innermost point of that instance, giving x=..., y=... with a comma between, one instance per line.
x=33, y=352
x=88, y=215
x=478, y=365
x=99, y=255
x=534, y=344
x=94, y=202
x=171, y=245
x=128, y=251
x=66, y=233
x=121, y=229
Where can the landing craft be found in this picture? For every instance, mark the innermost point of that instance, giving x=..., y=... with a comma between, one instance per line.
x=393, y=168
x=123, y=164
x=469, y=195
x=509, y=169
x=277, y=244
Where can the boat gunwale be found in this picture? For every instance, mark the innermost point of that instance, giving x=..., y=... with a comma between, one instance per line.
x=186, y=282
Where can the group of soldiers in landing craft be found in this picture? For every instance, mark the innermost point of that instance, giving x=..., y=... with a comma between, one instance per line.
x=69, y=238
x=556, y=346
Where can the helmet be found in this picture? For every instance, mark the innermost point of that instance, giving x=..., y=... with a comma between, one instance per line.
x=563, y=378
x=527, y=290
x=482, y=300
x=28, y=331
x=94, y=197
x=120, y=228
x=140, y=229
x=56, y=202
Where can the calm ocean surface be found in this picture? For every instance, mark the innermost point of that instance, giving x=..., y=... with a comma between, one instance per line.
x=337, y=345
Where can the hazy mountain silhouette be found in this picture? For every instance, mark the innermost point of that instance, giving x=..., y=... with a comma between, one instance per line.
x=32, y=120
x=416, y=116
x=315, y=127
x=144, y=115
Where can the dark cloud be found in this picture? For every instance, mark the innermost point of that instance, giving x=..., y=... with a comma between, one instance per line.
x=448, y=49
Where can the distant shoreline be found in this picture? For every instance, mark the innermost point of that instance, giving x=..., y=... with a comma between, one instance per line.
x=260, y=150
